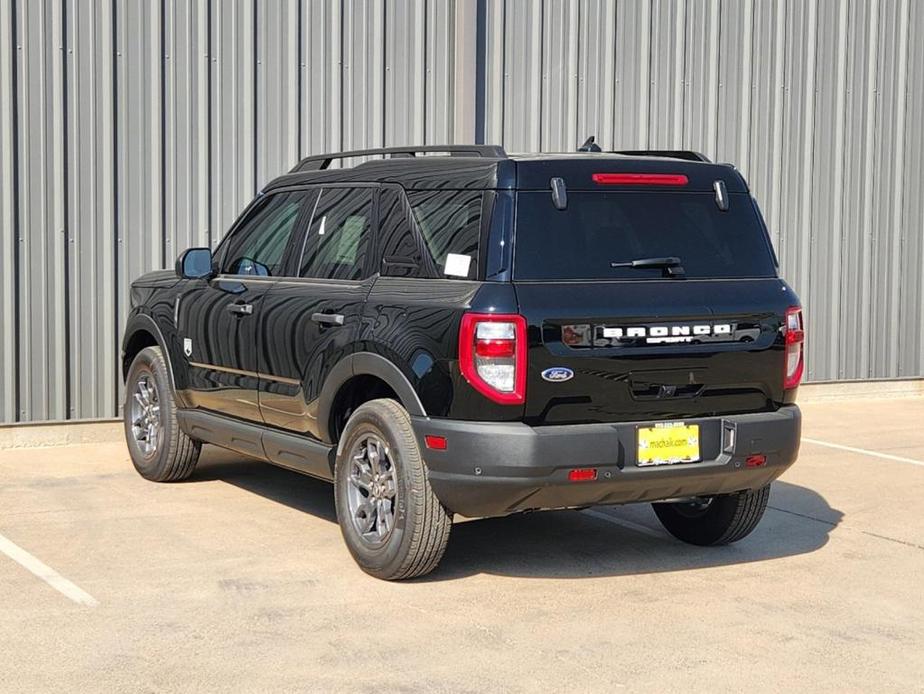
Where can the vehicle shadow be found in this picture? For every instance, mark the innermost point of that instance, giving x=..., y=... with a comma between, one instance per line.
x=605, y=541
x=293, y=489
x=627, y=540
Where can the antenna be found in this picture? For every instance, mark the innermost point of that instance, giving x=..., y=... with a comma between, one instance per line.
x=590, y=145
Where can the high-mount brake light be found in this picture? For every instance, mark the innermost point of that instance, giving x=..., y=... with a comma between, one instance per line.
x=492, y=355
x=640, y=179
x=794, y=338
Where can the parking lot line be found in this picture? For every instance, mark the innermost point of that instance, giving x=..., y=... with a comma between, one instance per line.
x=46, y=573
x=864, y=451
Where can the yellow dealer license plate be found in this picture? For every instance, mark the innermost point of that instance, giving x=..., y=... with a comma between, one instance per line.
x=668, y=443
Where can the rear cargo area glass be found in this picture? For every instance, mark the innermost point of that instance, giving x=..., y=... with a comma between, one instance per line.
x=600, y=228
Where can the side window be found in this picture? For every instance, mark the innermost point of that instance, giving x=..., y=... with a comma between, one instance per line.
x=335, y=247
x=450, y=223
x=258, y=247
x=400, y=252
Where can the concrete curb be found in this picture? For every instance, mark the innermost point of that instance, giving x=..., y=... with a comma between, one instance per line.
x=872, y=390
x=48, y=434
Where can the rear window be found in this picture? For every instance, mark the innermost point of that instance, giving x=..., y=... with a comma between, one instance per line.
x=597, y=229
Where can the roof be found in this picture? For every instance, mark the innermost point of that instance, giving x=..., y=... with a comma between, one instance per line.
x=495, y=169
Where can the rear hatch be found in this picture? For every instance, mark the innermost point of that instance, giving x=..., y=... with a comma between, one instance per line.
x=693, y=330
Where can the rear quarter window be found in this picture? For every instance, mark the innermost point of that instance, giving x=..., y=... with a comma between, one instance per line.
x=450, y=226
x=597, y=229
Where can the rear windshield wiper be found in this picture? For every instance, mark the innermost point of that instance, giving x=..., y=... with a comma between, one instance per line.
x=670, y=264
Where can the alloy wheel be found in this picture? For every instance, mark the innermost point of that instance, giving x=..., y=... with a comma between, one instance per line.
x=145, y=414
x=372, y=491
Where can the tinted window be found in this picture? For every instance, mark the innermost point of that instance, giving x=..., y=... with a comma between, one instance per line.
x=400, y=252
x=597, y=229
x=258, y=247
x=450, y=224
x=336, y=244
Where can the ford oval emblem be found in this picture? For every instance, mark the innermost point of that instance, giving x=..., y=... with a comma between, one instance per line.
x=557, y=374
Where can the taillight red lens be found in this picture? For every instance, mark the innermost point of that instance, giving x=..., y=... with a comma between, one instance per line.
x=640, y=179
x=794, y=337
x=492, y=355
x=493, y=349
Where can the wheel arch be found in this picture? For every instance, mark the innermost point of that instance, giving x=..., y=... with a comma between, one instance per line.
x=354, y=367
x=141, y=331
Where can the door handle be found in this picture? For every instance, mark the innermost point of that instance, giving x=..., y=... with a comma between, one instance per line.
x=241, y=309
x=327, y=318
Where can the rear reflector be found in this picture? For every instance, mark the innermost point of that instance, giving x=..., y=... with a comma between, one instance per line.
x=437, y=443
x=583, y=474
x=639, y=179
x=755, y=460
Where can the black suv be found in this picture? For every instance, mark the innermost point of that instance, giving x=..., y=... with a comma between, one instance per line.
x=481, y=334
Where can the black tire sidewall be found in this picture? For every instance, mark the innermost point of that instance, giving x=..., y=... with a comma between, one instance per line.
x=376, y=420
x=718, y=524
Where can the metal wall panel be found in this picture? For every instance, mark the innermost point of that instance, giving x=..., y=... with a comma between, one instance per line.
x=9, y=241
x=90, y=220
x=130, y=130
x=911, y=213
x=40, y=191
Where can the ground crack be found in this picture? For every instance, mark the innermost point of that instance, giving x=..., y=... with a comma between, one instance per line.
x=803, y=515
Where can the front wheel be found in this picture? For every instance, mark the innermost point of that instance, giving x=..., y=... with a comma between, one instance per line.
x=392, y=522
x=159, y=449
x=717, y=520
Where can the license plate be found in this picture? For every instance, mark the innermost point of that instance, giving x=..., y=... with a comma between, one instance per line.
x=668, y=443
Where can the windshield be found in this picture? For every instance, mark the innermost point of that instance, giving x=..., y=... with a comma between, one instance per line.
x=599, y=236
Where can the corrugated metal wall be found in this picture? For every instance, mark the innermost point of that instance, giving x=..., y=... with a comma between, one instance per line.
x=818, y=103
x=130, y=130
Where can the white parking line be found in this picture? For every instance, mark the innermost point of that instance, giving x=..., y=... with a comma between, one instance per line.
x=46, y=573
x=637, y=527
x=863, y=451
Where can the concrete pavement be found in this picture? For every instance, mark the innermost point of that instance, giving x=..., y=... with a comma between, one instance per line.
x=238, y=581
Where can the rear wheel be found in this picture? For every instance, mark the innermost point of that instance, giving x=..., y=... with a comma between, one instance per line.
x=392, y=522
x=159, y=449
x=717, y=520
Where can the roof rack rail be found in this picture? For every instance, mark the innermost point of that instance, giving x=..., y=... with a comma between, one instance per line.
x=671, y=153
x=319, y=162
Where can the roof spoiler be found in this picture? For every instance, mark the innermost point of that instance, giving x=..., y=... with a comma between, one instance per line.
x=668, y=153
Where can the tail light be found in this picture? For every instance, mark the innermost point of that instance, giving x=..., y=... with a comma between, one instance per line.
x=794, y=337
x=492, y=355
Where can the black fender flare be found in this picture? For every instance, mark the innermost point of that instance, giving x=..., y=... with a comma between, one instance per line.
x=142, y=322
x=371, y=364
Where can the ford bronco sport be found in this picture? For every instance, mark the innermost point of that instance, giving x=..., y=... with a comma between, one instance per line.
x=481, y=334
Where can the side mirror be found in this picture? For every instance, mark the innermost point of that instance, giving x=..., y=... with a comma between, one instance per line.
x=194, y=263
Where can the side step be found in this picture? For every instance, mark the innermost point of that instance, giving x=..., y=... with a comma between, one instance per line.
x=277, y=447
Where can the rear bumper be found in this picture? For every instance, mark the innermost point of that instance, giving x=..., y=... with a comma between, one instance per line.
x=491, y=469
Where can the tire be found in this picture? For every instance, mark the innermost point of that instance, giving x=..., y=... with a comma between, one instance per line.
x=392, y=522
x=723, y=520
x=159, y=449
